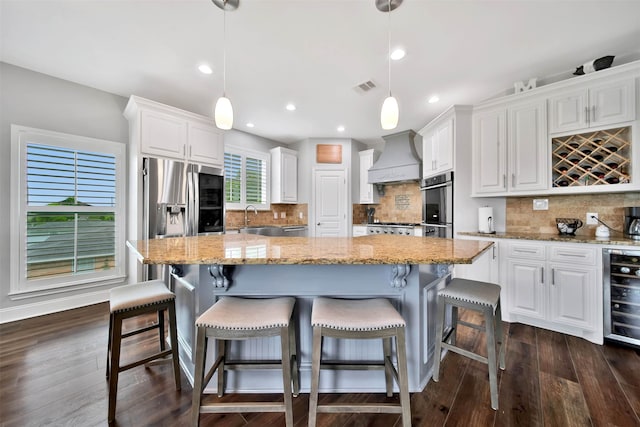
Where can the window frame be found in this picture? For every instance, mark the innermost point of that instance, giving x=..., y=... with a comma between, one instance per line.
x=20, y=286
x=244, y=153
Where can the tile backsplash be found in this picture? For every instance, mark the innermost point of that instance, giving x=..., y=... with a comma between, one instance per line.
x=400, y=203
x=521, y=218
x=235, y=219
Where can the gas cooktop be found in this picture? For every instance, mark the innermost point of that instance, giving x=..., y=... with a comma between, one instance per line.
x=398, y=224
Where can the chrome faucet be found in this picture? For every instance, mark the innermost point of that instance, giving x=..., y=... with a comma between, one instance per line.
x=246, y=220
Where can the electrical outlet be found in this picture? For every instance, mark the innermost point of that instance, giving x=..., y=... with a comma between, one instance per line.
x=540, y=204
x=300, y=215
x=590, y=219
x=283, y=214
x=275, y=215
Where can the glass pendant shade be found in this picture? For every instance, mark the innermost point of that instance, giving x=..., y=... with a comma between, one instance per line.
x=224, y=113
x=389, y=113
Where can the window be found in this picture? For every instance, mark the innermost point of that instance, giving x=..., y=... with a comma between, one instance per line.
x=68, y=217
x=246, y=178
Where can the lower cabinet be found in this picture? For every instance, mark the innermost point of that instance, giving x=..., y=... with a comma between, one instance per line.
x=359, y=230
x=554, y=286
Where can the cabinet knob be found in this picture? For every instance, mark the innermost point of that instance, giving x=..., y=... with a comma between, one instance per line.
x=318, y=224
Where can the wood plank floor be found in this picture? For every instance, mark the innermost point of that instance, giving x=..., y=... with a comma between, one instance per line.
x=52, y=373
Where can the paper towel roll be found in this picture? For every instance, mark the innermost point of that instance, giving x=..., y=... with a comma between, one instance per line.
x=485, y=220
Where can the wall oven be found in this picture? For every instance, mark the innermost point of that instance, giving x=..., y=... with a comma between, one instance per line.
x=621, y=271
x=437, y=206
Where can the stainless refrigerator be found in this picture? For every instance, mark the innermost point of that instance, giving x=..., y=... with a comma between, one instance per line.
x=180, y=199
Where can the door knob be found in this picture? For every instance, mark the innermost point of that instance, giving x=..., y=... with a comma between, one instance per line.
x=318, y=224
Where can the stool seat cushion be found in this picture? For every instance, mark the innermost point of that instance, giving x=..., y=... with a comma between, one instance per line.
x=138, y=295
x=355, y=315
x=472, y=291
x=248, y=313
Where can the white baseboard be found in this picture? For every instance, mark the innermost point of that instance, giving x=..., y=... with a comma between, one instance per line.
x=26, y=311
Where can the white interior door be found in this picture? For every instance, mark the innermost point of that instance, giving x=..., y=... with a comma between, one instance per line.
x=330, y=203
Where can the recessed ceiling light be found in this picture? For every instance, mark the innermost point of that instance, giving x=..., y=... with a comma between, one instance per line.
x=205, y=69
x=290, y=107
x=398, y=54
x=340, y=128
x=250, y=125
x=434, y=99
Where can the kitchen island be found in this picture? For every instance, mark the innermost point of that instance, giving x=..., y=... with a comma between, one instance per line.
x=405, y=269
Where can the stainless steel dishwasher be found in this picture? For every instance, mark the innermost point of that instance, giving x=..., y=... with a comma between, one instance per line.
x=295, y=231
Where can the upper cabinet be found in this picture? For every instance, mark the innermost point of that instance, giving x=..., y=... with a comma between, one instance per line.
x=437, y=148
x=159, y=130
x=368, y=194
x=284, y=175
x=490, y=151
x=599, y=104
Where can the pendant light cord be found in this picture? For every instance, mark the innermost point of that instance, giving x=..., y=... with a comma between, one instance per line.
x=224, y=50
x=389, y=45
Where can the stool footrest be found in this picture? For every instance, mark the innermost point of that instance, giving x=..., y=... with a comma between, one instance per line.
x=471, y=325
x=145, y=360
x=352, y=366
x=242, y=407
x=374, y=408
x=253, y=364
x=140, y=330
x=466, y=353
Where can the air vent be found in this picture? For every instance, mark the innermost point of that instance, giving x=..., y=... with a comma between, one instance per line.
x=365, y=87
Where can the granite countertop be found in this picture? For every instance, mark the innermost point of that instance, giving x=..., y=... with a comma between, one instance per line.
x=555, y=237
x=235, y=249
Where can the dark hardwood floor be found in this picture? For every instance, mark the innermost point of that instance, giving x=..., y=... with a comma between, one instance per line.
x=52, y=372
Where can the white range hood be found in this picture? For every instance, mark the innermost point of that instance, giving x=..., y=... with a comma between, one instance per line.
x=399, y=162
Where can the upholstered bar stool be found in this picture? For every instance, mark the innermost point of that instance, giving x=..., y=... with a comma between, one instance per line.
x=134, y=300
x=360, y=319
x=233, y=318
x=479, y=296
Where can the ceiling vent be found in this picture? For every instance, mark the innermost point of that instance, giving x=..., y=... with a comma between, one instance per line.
x=365, y=87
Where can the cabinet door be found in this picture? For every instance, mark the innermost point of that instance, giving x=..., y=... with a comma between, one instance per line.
x=443, y=147
x=359, y=230
x=612, y=102
x=162, y=135
x=205, y=145
x=289, y=177
x=528, y=158
x=368, y=194
x=572, y=295
x=489, y=152
x=568, y=111
x=429, y=143
x=527, y=289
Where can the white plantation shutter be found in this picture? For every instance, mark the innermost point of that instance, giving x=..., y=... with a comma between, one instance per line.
x=246, y=178
x=71, y=193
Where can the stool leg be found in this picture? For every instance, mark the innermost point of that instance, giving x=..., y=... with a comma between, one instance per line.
x=198, y=375
x=454, y=325
x=161, y=329
x=501, y=337
x=173, y=335
x=439, y=330
x=388, y=379
x=403, y=378
x=491, y=355
x=293, y=349
x=110, y=337
x=315, y=374
x=222, y=353
x=286, y=375
x=116, y=339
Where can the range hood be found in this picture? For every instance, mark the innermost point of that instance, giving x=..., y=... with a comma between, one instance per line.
x=399, y=161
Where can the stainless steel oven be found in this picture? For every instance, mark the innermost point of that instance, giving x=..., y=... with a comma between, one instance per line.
x=621, y=271
x=437, y=206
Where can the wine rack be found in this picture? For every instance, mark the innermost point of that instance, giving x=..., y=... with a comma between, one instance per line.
x=592, y=158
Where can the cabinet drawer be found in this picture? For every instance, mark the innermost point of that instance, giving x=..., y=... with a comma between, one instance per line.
x=573, y=255
x=524, y=250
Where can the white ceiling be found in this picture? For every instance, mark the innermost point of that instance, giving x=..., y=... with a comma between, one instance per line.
x=314, y=52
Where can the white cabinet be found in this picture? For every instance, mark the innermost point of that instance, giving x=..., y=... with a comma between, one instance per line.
x=510, y=149
x=359, y=230
x=485, y=268
x=160, y=130
x=437, y=149
x=284, y=175
x=205, y=144
x=599, y=104
x=554, y=286
x=368, y=192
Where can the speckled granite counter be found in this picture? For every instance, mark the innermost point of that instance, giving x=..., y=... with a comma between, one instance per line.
x=554, y=237
x=236, y=249
x=407, y=270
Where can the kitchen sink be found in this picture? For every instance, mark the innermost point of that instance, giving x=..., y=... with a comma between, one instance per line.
x=275, y=231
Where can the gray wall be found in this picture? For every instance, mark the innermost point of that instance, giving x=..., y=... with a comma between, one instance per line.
x=37, y=100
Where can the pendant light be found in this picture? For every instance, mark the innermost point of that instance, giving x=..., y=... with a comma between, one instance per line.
x=223, y=112
x=389, y=112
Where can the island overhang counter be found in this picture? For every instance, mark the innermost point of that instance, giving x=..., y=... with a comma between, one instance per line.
x=407, y=270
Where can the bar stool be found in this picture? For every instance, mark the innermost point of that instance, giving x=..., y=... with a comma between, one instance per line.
x=134, y=300
x=233, y=318
x=479, y=296
x=360, y=319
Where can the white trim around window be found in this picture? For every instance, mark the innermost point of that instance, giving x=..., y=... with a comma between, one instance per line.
x=67, y=212
x=241, y=192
